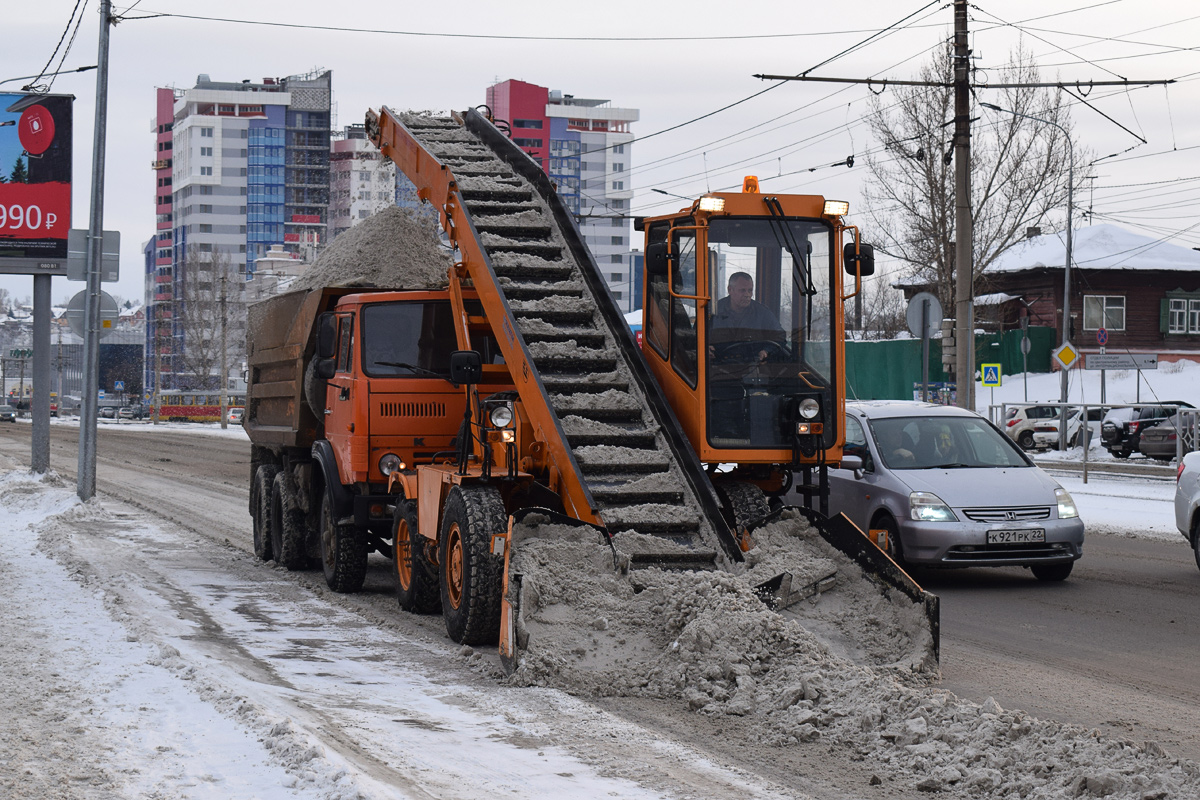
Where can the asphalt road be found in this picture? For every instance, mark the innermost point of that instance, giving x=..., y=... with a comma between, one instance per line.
x=1111, y=648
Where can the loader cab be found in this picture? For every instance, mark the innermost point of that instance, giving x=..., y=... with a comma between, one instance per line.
x=743, y=326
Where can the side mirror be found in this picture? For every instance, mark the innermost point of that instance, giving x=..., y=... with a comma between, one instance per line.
x=657, y=259
x=854, y=463
x=325, y=368
x=326, y=336
x=466, y=367
x=862, y=262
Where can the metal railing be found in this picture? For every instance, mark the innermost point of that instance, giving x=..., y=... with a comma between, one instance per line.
x=1187, y=424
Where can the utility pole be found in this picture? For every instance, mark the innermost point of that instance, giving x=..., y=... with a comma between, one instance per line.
x=964, y=235
x=86, y=483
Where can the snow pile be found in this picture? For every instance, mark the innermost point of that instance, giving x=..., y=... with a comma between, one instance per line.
x=706, y=640
x=393, y=249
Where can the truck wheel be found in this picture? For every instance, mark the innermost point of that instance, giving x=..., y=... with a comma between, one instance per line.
x=343, y=552
x=260, y=498
x=471, y=576
x=747, y=501
x=416, y=576
x=287, y=524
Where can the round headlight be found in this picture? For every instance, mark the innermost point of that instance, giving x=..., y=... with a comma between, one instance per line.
x=390, y=463
x=809, y=408
x=501, y=416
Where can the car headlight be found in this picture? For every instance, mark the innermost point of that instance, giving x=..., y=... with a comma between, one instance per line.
x=501, y=416
x=928, y=507
x=390, y=463
x=1066, y=506
x=809, y=408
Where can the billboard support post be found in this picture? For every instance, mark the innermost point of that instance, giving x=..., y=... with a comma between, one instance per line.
x=86, y=483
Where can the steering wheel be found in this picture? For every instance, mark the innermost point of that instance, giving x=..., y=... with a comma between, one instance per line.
x=747, y=352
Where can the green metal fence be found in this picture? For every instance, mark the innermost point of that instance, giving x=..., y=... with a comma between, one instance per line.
x=888, y=370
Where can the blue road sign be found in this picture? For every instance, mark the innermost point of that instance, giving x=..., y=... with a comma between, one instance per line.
x=1102, y=336
x=991, y=374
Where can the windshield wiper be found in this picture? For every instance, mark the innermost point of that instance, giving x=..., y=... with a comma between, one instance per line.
x=403, y=365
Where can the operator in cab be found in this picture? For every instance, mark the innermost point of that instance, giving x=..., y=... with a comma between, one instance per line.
x=742, y=320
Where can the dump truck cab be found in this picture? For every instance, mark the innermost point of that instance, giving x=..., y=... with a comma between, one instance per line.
x=743, y=328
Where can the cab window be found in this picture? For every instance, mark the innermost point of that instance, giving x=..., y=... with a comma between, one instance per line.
x=345, y=338
x=683, y=318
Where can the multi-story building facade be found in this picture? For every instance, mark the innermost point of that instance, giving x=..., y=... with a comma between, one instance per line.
x=585, y=146
x=240, y=167
x=361, y=181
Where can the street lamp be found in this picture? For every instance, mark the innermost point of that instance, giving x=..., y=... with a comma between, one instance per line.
x=45, y=75
x=1066, y=318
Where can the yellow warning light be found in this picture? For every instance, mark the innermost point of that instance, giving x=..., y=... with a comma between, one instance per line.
x=750, y=184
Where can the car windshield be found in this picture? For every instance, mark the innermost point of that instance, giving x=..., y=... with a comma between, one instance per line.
x=931, y=442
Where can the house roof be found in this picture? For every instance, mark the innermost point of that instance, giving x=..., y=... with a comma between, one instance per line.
x=1098, y=247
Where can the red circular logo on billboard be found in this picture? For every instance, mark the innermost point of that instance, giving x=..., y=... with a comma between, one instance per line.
x=36, y=130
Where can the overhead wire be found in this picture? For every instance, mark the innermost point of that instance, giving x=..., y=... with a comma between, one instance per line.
x=34, y=87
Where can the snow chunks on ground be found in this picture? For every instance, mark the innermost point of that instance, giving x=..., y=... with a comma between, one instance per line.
x=847, y=667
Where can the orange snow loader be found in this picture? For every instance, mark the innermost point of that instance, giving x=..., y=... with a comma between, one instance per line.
x=424, y=425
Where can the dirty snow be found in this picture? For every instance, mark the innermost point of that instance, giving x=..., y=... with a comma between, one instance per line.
x=704, y=639
x=393, y=249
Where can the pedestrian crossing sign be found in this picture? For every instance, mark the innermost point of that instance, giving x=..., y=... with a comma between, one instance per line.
x=991, y=374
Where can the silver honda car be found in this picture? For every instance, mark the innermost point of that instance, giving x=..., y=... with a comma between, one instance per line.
x=941, y=486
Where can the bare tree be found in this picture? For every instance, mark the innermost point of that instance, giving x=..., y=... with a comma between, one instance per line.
x=1018, y=171
x=198, y=310
x=883, y=311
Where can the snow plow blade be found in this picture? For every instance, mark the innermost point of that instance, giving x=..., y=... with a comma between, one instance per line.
x=844, y=535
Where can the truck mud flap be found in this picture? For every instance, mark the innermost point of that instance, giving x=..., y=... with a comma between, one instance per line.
x=846, y=537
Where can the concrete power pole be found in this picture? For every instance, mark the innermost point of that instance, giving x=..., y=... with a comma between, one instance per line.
x=86, y=483
x=964, y=262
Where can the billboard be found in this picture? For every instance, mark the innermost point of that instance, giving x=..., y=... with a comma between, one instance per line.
x=35, y=182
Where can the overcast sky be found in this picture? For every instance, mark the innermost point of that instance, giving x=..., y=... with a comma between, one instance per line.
x=790, y=129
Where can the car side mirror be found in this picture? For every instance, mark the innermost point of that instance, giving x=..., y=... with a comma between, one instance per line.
x=854, y=463
x=326, y=336
x=862, y=261
x=658, y=258
x=466, y=367
x=325, y=368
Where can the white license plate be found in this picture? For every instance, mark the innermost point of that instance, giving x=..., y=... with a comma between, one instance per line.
x=1016, y=537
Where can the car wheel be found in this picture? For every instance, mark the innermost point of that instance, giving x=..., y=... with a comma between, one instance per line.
x=1052, y=572
x=1025, y=440
x=1196, y=540
x=894, y=547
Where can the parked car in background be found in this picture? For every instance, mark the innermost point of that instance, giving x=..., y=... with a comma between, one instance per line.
x=1122, y=427
x=1187, y=501
x=1045, y=431
x=107, y=412
x=1161, y=441
x=8, y=413
x=1021, y=421
x=236, y=414
x=135, y=411
x=940, y=486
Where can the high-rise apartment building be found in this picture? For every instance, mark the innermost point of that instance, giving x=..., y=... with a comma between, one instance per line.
x=240, y=167
x=361, y=181
x=585, y=146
